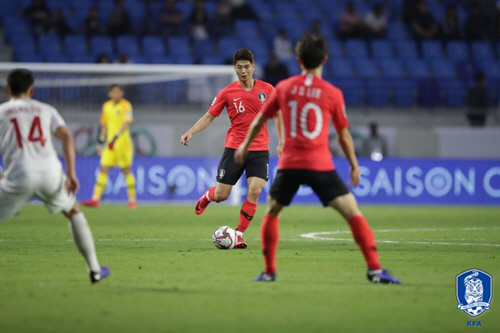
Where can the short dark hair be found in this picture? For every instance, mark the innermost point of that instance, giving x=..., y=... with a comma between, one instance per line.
x=115, y=85
x=19, y=81
x=243, y=54
x=312, y=50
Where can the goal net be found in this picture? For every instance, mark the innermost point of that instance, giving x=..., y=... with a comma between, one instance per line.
x=83, y=88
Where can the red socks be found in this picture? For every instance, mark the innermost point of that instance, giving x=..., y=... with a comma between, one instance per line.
x=269, y=233
x=363, y=235
x=211, y=194
x=247, y=213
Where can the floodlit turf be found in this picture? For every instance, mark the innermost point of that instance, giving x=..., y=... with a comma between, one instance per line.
x=168, y=277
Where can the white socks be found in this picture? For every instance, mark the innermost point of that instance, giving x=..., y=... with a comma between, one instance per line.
x=82, y=236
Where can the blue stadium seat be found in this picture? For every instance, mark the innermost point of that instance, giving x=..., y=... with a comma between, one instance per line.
x=152, y=45
x=417, y=69
x=101, y=44
x=179, y=46
x=454, y=92
x=335, y=49
x=83, y=58
x=377, y=91
x=491, y=68
x=27, y=57
x=428, y=93
x=210, y=9
x=382, y=49
x=341, y=68
x=457, y=50
x=406, y=49
x=356, y=48
x=55, y=57
x=212, y=60
x=354, y=91
x=186, y=8
x=183, y=59
x=366, y=68
x=204, y=48
x=26, y=43
x=404, y=92
x=127, y=44
x=392, y=68
x=432, y=50
x=68, y=94
x=246, y=29
x=137, y=12
x=292, y=66
x=443, y=69
x=159, y=59
x=396, y=31
x=482, y=51
x=228, y=46
x=74, y=44
x=49, y=44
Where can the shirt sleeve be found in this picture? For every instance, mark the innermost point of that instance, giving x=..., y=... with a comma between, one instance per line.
x=272, y=107
x=339, y=115
x=218, y=104
x=56, y=120
x=103, y=117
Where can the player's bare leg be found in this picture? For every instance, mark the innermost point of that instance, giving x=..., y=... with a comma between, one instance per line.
x=347, y=206
x=248, y=209
x=269, y=234
x=130, y=181
x=99, y=187
x=82, y=237
x=217, y=193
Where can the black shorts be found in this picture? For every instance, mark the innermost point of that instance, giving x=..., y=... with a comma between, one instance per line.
x=326, y=184
x=256, y=165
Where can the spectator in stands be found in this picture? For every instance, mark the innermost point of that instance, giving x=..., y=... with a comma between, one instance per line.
x=222, y=23
x=58, y=24
x=118, y=20
x=476, y=25
x=171, y=19
x=240, y=10
x=477, y=101
x=103, y=58
x=351, y=24
x=409, y=11
x=450, y=26
x=376, y=21
x=92, y=25
x=39, y=14
x=315, y=28
x=282, y=46
x=374, y=146
x=198, y=21
x=275, y=71
x=424, y=25
x=123, y=59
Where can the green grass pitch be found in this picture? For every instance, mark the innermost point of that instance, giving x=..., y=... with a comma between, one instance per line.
x=168, y=277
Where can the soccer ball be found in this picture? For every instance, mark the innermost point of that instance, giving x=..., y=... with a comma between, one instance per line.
x=224, y=238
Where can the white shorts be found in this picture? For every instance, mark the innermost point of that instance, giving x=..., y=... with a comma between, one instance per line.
x=47, y=186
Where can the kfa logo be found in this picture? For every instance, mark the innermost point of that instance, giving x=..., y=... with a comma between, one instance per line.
x=262, y=97
x=474, y=289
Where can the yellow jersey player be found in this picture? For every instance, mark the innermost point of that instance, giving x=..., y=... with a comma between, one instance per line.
x=115, y=145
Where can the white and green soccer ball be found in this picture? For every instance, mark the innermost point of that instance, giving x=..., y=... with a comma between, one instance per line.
x=224, y=238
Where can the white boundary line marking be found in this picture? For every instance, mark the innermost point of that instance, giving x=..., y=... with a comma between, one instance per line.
x=317, y=236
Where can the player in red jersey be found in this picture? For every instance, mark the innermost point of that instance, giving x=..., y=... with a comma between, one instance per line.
x=308, y=104
x=243, y=99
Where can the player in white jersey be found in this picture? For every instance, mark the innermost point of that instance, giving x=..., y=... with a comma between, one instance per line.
x=32, y=168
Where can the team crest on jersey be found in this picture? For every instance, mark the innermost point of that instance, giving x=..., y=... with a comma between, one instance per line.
x=262, y=97
x=474, y=289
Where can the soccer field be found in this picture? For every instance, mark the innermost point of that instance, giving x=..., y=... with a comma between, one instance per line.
x=167, y=276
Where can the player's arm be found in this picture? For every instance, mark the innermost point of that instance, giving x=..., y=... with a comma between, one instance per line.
x=68, y=150
x=102, y=139
x=199, y=126
x=255, y=127
x=125, y=125
x=280, y=127
x=347, y=145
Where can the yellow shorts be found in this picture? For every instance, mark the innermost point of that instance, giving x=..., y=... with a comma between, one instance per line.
x=117, y=157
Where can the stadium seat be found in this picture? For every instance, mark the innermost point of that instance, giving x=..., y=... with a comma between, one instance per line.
x=212, y=60
x=491, y=69
x=482, y=51
x=417, y=69
x=101, y=44
x=356, y=49
x=127, y=44
x=183, y=59
x=377, y=91
x=84, y=58
x=292, y=66
x=152, y=45
x=335, y=49
x=159, y=59
x=392, y=68
x=246, y=29
x=354, y=91
x=381, y=49
x=228, y=46
x=341, y=68
x=432, y=50
x=406, y=49
x=403, y=91
x=68, y=94
x=179, y=46
x=457, y=50
x=56, y=57
x=74, y=44
x=396, y=31
x=443, y=69
x=366, y=68
x=49, y=44
x=454, y=92
x=186, y=8
x=204, y=48
x=428, y=93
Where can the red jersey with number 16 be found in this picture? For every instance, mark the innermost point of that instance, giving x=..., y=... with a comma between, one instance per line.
x=308, y=104
x=242, y=107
